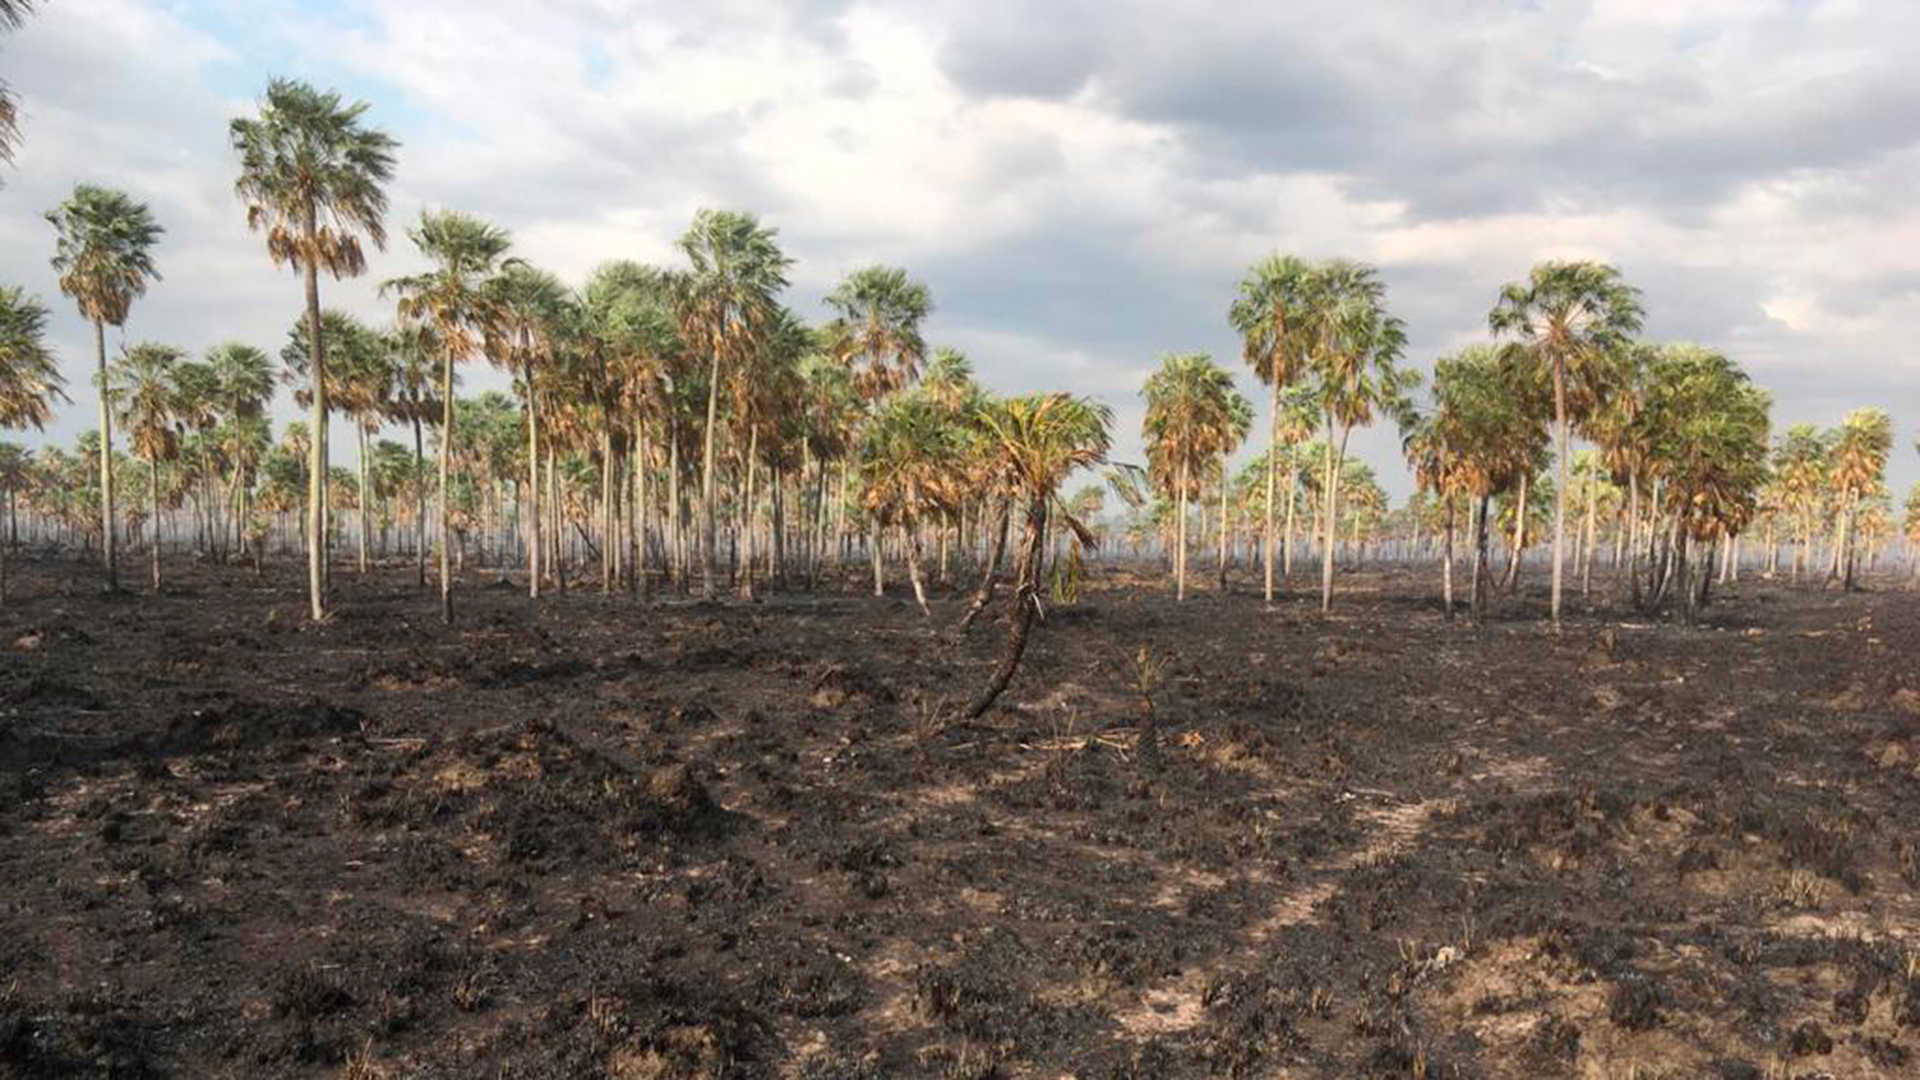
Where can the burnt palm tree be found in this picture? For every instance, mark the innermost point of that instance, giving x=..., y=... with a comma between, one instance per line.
x=876, y=333
x=1860, y=451
x=145, y=392
x=1569, y=321
x=1041, y=439
x=1357, y=347
x=413, y=399
x=451, y=298
x=312, y=176
x=12, y=14
x=30, y=384
x=104, y=256
x=1272, y=316
x=1194, y=419
x=726, y=305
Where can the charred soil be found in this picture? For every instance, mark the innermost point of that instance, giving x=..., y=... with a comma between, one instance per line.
x=599, y=837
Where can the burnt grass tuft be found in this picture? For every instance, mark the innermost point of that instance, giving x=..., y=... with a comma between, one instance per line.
x=600, y=837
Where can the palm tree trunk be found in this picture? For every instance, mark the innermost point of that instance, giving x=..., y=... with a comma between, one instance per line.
x=533, y=537
x=645, y=508
x=1519, y=537
x=419, y=502
x=1286, y=549
x=1180, y=531
x=446, y=469
x=106, y=462
x=1586, y=543
x=153, y=501
x=1223, y=524
x=1273, y=476
x=1633, y=535
x=1330, y=522
x=1560, y=485
x=910, y=538
x=1446, y=565
x=316, y=445
x=709, y=527
x=747, y=513
x=1026, y=603
x=1481, y=572
x=366, y=493
x=984, y=595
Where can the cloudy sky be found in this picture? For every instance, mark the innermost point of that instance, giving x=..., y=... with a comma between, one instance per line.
x=1080, y=183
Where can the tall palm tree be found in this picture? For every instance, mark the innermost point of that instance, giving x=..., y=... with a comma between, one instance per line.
x=914, y=461
x=1800, y=466
x=243, y=375
x=1271, y=316
x=529, y=305
x=726, y=304
x=453, y=299
x=1860, y=451
x=876, y=333
x=30, y=379
x=30, y=384
x=1357, y=347
x=412, y=399
x=1194, y=418
x=312, y=176
x=104, y=256
x=1569, y=320
x=628, y=315
x=1040, y=439
x=146, y=396
x=1710, y=428
x=12, y=14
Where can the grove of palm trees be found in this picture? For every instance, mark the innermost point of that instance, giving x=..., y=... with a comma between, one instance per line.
x=652, y=674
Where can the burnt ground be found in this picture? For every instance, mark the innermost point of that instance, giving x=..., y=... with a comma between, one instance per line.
x=599, y=838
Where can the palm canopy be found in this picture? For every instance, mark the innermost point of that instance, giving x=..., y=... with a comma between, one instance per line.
x=12, y=14
x=355, y=363
x=1194, y=416
x=1709, y=431
x=30, y=380
x=876, y=331
x=1042, y=438
x=1478, y=437
x=913, y=455
x=726, y=300
x=412, y=394
x=1272, y=317
x=1570, y=321
x=244, y=377
x=104, y=251
x=629, y=316
x=466, y=252
x=1861, y=447
x=529, y=308
x=143, y=386
x=1357, y=345
x=311, y=176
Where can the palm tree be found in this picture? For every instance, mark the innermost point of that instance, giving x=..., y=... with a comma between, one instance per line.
x=12, y=14
x=1357, y=347
x=1911, y=519
x=726, y=305
x=1569, y=320
x=1800, y=466
x=452, y=298
x=1860, y=451
x=411, y=399
x=146, y=395
x=30, y=383
x=1040, y=439
x=243, y=376
x=104, y=256
x=914, y=460
x=1272, y=315
x=628, y=315
x=311, y=176
x=529, y=306
x=1709, y=425
x=1194, y=419
x=876, y=334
